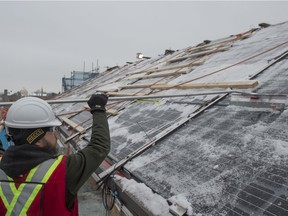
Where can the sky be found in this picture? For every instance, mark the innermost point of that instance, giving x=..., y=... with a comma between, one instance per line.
x=41, y=41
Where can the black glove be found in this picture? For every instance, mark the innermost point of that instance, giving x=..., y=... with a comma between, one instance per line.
x=97, y=102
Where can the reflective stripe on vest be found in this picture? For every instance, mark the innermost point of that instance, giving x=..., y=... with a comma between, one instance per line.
x=18, y=200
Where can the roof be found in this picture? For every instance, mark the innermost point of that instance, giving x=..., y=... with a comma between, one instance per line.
x=222, y=158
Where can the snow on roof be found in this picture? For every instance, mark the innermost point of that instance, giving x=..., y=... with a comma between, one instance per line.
x=154, y=202
x=227, y=159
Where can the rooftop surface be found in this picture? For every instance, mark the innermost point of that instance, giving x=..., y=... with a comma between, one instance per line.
x=220, y=157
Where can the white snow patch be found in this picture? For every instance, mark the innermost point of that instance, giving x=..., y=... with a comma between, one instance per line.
x=212, y=151
x=117, y=130
x=246, y=108
x=208, y=193
x=281, y=147
x=181, y=200
x=134, y=138
x=156, y=204
x=143, y=160
x=258, y=128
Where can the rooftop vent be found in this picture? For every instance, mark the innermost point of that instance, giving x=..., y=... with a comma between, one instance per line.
x=141, y=56
x=264, y=25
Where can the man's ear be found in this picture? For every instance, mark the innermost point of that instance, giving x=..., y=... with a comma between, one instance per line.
x=39, y=143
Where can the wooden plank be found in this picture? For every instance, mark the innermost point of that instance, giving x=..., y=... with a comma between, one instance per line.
x=218, y=43
x=155, y=75
x=195, y=63
x=234, y=85
x=160, y=61
x=107, y=90
x=222, y=41
x=198, y=54
x=142, y=85
x=112, y=112
x=123, y=94
x=73, y=125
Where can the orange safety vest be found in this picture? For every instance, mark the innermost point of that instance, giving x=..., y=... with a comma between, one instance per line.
x=41, y=191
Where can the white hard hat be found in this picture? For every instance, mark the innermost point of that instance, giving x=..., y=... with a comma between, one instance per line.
x=31, y=112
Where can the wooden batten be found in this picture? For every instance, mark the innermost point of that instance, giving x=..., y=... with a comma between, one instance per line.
x=211, y=45
x=72, y=124
x=234, y=85
x=142, y=85
x=107, y=90
x=142, y=71
x=222, y=41
x=112, y=112
x=123, y=94
x=195, y=63
x=155, y=75
x=199, y=54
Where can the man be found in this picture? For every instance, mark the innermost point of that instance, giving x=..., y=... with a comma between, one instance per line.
x=34, y=179
x=4, y=142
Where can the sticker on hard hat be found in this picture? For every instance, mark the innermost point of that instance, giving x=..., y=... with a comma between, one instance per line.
x=35, y=135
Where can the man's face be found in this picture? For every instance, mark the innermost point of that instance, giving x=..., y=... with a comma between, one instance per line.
x=3, y=113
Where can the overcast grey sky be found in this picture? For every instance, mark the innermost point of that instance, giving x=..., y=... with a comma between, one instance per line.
x=40, y=41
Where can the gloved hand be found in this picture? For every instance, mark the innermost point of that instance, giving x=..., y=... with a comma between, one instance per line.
x=97, y=102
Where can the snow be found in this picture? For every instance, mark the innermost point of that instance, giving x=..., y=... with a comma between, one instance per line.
x=281, y=147
x=133, y=138
x=142, y=160
x=156, y=204
x=181, y=200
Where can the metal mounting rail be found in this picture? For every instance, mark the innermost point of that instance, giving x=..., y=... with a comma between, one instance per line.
x=275, y=102
x=141, y=97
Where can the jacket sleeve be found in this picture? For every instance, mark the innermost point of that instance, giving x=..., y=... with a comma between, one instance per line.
x=81, y=165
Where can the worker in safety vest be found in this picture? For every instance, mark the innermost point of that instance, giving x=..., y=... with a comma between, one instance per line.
x=5, y=142
x=34, y=179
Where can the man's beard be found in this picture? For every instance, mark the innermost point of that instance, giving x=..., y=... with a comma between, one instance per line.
x=52, y=149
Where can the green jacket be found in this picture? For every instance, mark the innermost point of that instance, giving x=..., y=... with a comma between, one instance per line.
x=81, y=165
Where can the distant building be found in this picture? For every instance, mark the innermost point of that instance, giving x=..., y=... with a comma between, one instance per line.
x=77, y=78
x=7, y=96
